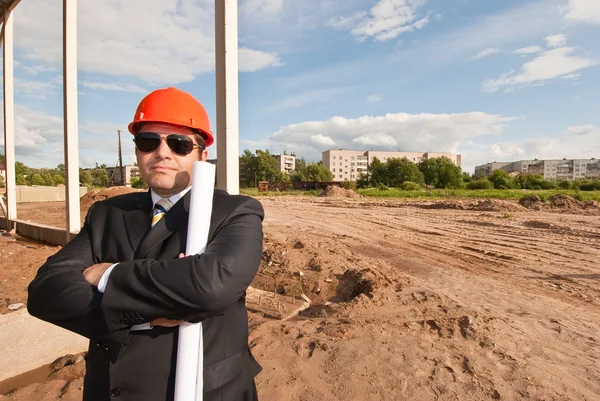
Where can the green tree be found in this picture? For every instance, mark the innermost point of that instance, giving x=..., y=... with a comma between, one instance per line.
x=37, y=179
x=441, y=172
x=260, y=166
x=397, y=171
x=138, y=182
x=318, y=172
x=502, y=180
x=85, y=177
x=466, y=177
x=20, y=179
x=99, y=177
x=60, y=169
x=59, y=179
x=480, y=183
x=299, y=173
x=20, y=168
x=535, y=182
x=48, y=179
x=2, y=182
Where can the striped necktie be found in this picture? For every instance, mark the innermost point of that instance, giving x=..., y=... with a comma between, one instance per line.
x=160, y=209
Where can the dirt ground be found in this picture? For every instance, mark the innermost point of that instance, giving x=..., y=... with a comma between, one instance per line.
x=411, y=300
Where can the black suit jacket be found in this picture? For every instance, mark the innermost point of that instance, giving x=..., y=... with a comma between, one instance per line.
x=151, y=282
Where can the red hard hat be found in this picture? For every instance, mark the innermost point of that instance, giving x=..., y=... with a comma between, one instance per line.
x=173, y=106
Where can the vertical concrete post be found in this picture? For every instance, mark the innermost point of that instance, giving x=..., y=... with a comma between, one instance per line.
x=9, y=115
x=226, y=48
x=70, y=116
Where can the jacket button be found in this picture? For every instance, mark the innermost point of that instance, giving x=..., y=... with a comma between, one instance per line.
x=115, y=392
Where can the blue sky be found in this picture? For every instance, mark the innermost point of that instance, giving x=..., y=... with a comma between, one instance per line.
x=491, y=80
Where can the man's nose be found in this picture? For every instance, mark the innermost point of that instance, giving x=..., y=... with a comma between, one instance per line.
x=163, y=150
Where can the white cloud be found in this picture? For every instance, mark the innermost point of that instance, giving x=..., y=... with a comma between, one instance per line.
x=154, y=41
x=564, y=145
x=528, y=50
x=486, y=52
x=263, y=6
x=409, y=132
x=374, y=98
x=584, y=11
x=375, y=140
x=39, y=140
x=581, y=129
x=254, y=60
x=114, y=87
x=384, y=21
x=32, y=129
x=321, y=139
x=554, y=41
x=33, y=89
x=33, y=69
x=551, y=64
x=526, y=21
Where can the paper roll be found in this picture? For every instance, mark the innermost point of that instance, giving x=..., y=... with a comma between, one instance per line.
x=190, y=349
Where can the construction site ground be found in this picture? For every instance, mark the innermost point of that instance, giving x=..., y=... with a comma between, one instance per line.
x=410, y=300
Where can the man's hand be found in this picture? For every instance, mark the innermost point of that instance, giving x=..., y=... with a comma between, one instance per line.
x=94, y=273
x=161, y=321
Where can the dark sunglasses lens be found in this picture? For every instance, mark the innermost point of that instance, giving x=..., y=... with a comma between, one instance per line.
x=180, y=144
x=147, y=142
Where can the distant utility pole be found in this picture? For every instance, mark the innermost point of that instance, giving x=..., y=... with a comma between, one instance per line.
x=121, y=159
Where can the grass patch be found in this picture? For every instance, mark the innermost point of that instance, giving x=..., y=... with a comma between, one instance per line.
x=477, y=193
x=514, y=194
x=255, y=193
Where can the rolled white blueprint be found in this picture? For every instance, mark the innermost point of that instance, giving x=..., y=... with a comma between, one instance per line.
x=190, y=349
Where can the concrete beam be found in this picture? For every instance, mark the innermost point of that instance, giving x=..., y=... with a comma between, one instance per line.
x=226, y=48
x=9, y=114
x=70, y=116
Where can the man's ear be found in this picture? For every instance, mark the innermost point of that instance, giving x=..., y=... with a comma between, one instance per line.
x=204, y=155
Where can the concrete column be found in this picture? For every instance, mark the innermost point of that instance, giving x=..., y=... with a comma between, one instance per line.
x=226, y=47
x=70, y=116
x=9, y=114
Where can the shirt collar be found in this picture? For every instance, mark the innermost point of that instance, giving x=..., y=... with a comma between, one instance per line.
x=173, y=199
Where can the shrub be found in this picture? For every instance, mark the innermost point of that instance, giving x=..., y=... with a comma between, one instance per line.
x=482, y=183
x=410, y=186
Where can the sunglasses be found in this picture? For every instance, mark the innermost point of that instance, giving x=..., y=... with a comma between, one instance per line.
x=150, y=141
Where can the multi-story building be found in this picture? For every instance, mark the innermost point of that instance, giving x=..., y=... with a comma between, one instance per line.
x=287, y=163
x=350, y=164
x=562, y=169
x=114, y=174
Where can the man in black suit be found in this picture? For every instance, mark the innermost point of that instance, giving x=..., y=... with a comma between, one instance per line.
x=124, y=283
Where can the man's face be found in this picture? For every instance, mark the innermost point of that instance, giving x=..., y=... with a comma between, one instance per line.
x=166, y=172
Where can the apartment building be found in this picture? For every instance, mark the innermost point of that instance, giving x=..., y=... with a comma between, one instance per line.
x=350, y=164
x=561, y=169
x=287, y=163
x=114, y=174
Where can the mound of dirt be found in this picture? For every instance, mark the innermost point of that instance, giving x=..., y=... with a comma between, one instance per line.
x=96, y=195
x=354, y=283
x=495, y=205
x=444, y=205
x=336, y=192
x=591, y=204
x=531, y=202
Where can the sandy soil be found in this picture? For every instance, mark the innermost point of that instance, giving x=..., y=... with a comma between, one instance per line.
x=412, y=300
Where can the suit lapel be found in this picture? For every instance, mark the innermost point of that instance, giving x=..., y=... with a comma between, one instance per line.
x=176, y=220
x=138, y=220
